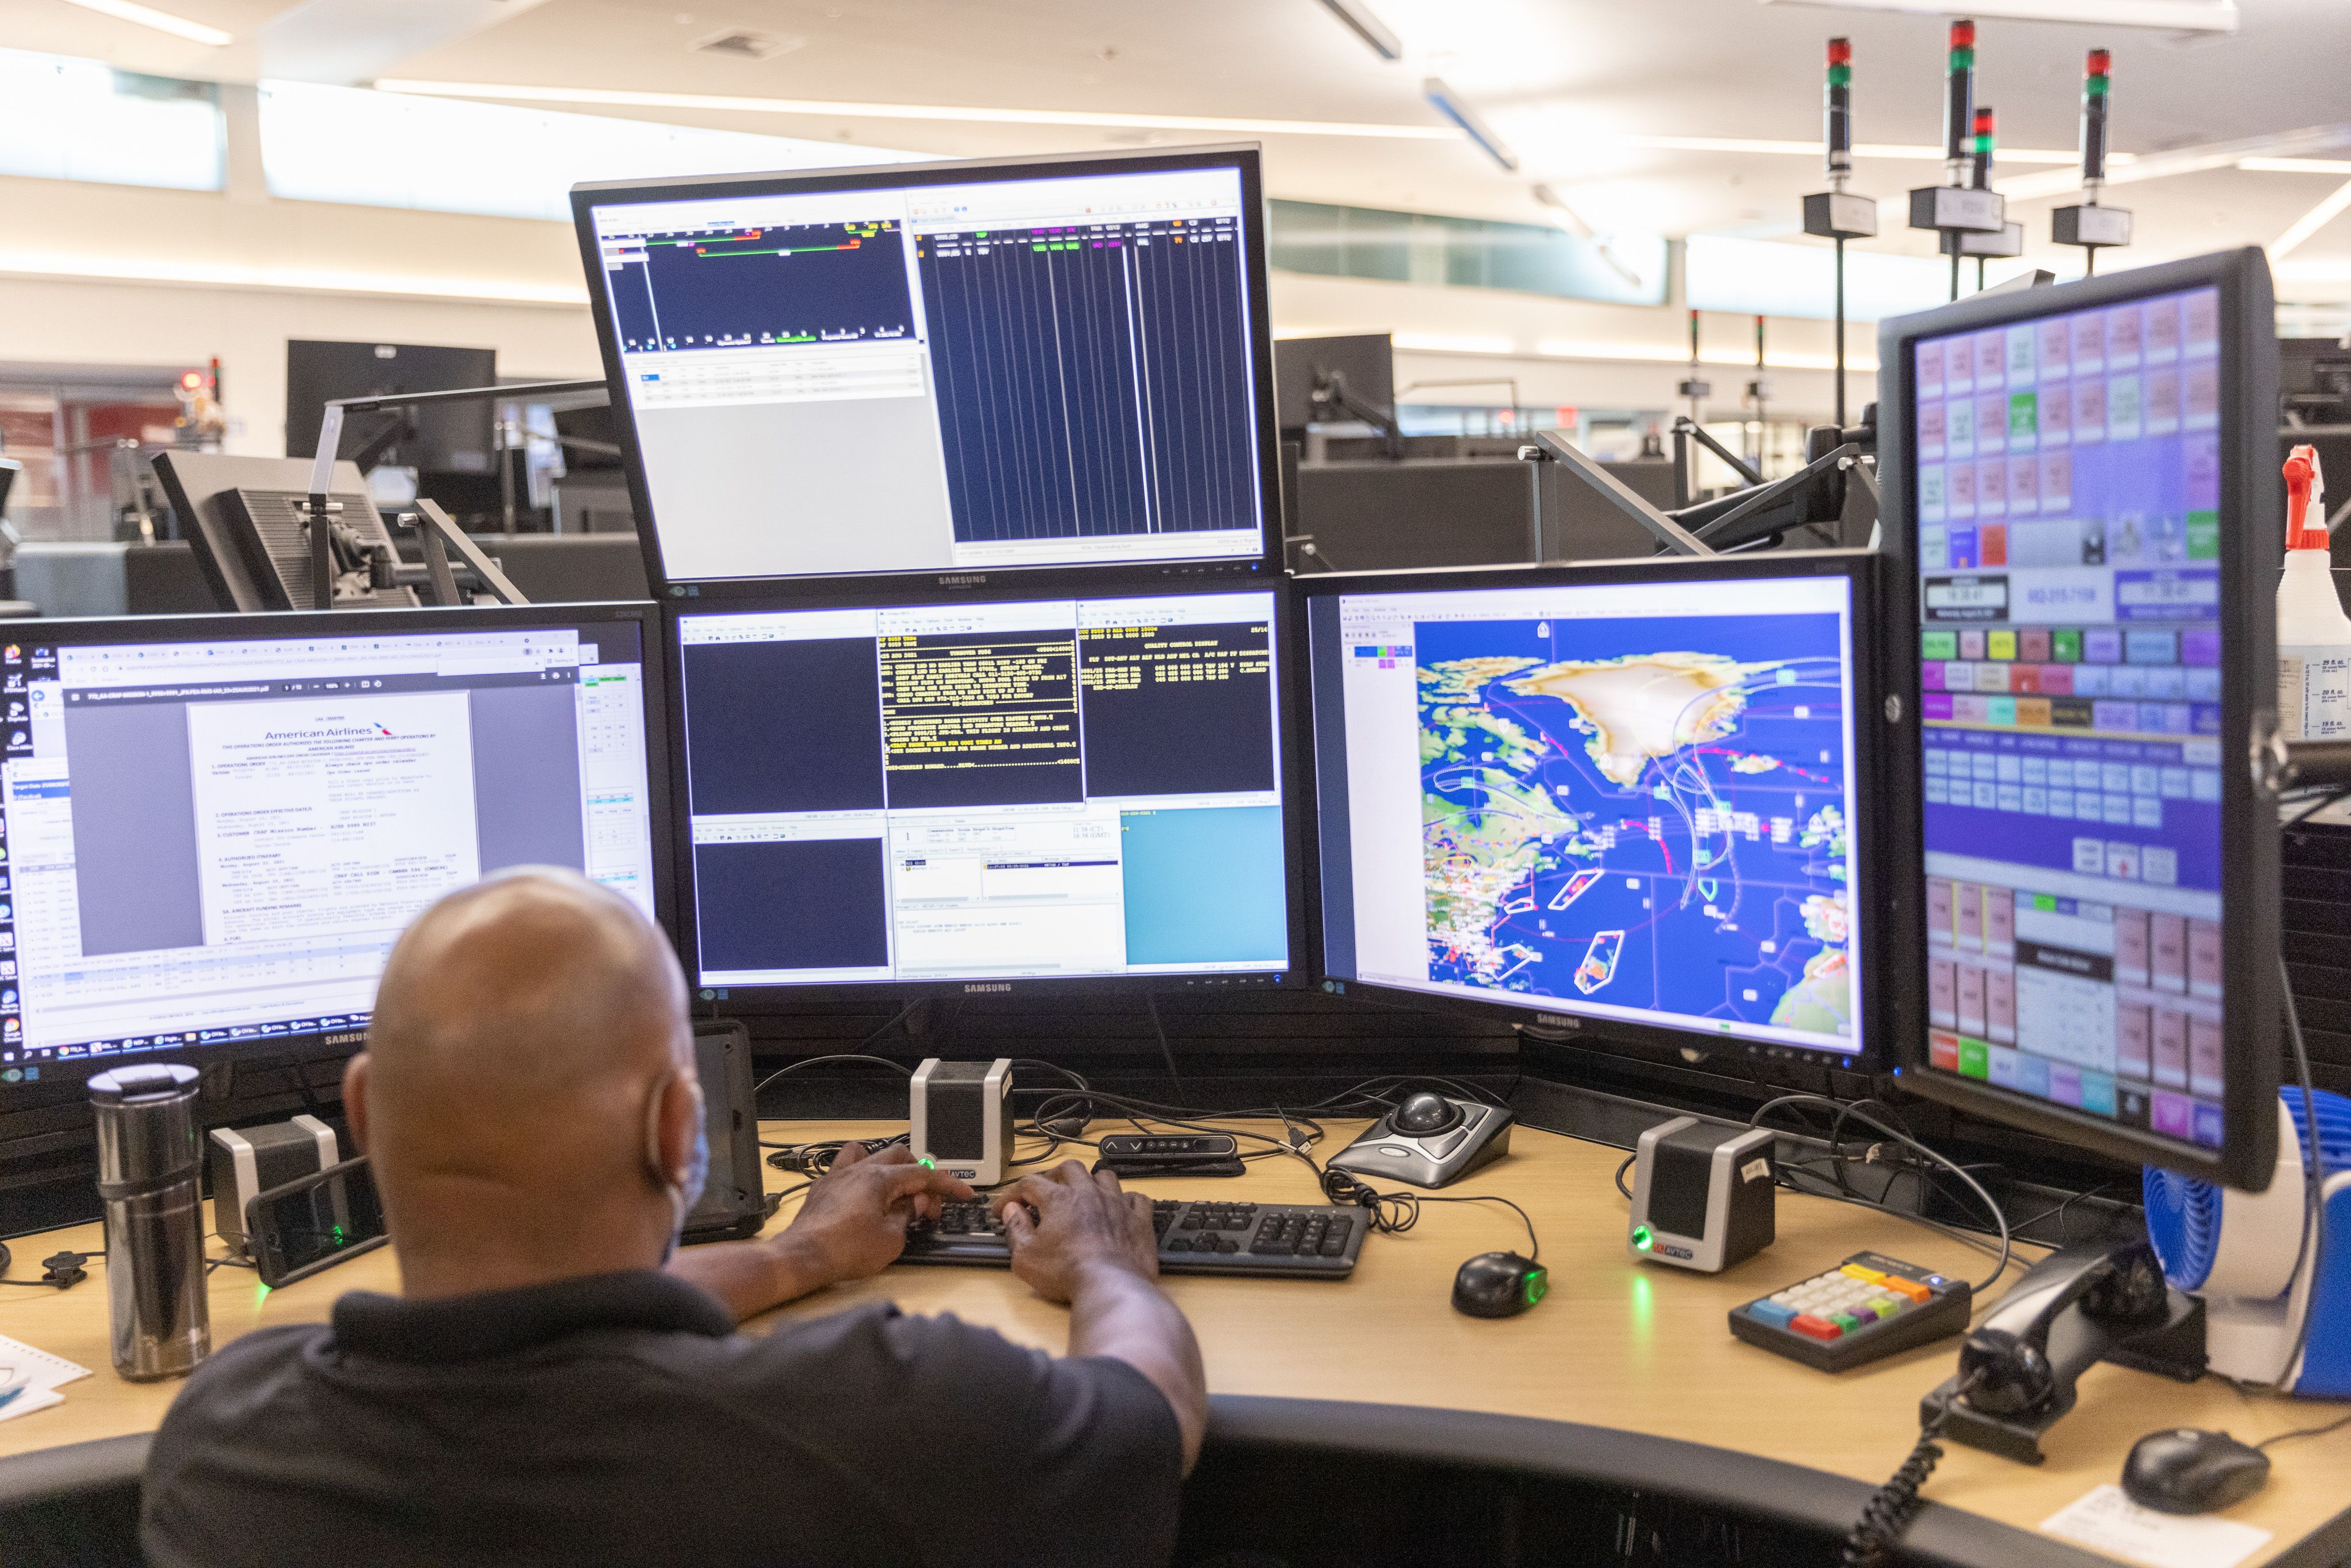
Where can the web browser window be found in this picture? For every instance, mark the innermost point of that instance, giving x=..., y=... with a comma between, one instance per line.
x=204, y=842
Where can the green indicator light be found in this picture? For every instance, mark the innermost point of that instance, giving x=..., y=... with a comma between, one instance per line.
x=2096, y=87
x=1642, y=1240
x=929, y=1163
x=1963, y=60
x=1840, y=76
x=1538, y=1284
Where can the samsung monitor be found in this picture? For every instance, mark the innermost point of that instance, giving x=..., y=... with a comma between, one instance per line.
x=2081, y=492
x=455, y=440
x=943, y=369
x=213, y=828
x=981, y=796
x=1629, y=800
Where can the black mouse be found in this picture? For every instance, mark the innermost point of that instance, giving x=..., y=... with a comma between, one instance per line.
x=1423, y=1113
x=1498, y=1285
x=2183, y=1470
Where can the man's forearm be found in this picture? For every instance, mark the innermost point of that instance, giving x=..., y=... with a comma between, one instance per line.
x=1118, y=1312
x=749, y=1277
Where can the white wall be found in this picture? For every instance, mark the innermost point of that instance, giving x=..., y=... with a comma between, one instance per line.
x=80, y=265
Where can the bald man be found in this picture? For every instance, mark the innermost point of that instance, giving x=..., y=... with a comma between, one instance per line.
x=552, y=1385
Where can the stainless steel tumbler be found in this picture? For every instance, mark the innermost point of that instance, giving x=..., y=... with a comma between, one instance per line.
x=149, y=1162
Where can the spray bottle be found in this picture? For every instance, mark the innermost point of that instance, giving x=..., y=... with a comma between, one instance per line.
x=2313, y=635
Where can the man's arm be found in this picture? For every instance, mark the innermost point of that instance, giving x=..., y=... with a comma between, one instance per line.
x=852, y=1225
x=1092, y=1245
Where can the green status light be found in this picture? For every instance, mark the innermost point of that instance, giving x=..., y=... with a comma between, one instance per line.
x=928, y=1163
x=1538, y=1284
x=1643, y=1239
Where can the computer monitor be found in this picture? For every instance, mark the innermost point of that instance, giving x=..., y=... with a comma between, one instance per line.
x=897, y=795
x=942, y=368
x=212, y=828
x=1626, y=800
x=2081, y=492
x=1363, y=364
x=454, y=441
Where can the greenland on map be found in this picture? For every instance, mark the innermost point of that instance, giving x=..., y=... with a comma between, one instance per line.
x=1648, y=814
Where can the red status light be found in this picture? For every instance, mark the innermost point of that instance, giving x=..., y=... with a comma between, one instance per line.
x=2102, y=62
x=191, y=381
x=1984, y=123
x=1840, y=51
x=1963, y=34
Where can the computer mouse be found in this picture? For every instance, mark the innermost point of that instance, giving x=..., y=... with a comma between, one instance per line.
x=1423, y=1113
x=2183, y=1470
x=1498, y=1285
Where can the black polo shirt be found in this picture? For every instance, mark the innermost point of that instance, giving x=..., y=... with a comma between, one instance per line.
x=619, y=1418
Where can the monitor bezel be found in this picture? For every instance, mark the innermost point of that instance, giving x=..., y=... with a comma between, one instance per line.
x=2251, y=504
x=769, y=1000
x=1558, y=1022
x=1267, y=565
x=314, y=1045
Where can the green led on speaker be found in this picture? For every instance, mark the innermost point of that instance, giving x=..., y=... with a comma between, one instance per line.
x=1643, y=1239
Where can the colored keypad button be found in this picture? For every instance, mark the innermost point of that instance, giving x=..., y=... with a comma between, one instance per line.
x=1858, y=1271
x=1909, y=1289
x=1812, y=1327
x=1846, y=1321
x=1884, y=1306
x=1778, y=1314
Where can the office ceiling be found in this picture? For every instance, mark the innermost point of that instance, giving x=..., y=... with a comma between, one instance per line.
x=1580, y=89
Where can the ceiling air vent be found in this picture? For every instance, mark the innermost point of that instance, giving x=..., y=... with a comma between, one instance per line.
x=745, y=45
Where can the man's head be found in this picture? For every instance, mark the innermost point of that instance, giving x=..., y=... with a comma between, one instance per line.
x=527, y=1097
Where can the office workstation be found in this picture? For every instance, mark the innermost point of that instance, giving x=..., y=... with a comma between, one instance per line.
x=1760, y=1005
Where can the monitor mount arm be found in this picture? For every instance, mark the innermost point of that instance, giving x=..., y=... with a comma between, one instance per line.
x=2101, y=1302
x=1687, y=430
x=1331, y=394
x=1549, y=447
x=318, y=512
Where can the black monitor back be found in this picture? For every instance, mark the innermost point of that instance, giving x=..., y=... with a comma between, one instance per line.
x=1367, y=361
x=220, y=499
x=453, y=438
x=1371, y=516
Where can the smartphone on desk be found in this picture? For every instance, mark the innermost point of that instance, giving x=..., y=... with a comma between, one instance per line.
x=314, y=1222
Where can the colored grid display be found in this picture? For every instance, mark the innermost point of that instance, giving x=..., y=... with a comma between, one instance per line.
x=2068, y=502
x=783, y=284
x=1087, y=378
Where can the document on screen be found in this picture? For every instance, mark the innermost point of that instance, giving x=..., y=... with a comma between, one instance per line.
x=330, y=818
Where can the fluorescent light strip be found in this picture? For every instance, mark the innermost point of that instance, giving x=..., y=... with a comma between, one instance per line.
x=1455, y=107
x=2311, y=222
x=1891, y=149
x=967, y=113
x=1628, y=353
x=2296, y=165
x=1367, y=26
x=162, y=21
x=2171, y=16
x=297, y=280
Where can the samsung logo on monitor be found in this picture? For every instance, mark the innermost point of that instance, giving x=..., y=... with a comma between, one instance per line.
x=963, y=578
x=990, y=985
x=1559, y=1020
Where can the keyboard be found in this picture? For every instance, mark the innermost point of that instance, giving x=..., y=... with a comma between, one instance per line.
x=1258, y=1241
x=1868, y=1307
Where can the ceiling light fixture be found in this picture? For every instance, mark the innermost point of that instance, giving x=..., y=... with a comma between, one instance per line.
x=1570, y=220
x=2168, y=16
x=1451, y=105
x=162, y=21
x=1891, y=149
x=2311, y=222
x=620, y=98
x=2199, y=159
x=1366, y=26
x=2296, y=165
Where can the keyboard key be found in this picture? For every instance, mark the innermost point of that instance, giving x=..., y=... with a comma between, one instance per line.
x=1812, y=1327
x=1884, y=1306
x=1777, y=1313
x=1857, y=1271
x=1909, y=1289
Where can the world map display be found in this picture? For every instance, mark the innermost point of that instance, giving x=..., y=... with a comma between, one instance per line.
x=1641, y=813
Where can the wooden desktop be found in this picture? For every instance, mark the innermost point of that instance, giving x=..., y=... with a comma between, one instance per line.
x=1631, y=1347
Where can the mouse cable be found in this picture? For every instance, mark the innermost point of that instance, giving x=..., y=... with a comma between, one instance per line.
x=1887, y=1516
x=900, y=1068
x=1620, y=1176
x=2335, y=1426
x=1851, y=1109
x=1392, y=1213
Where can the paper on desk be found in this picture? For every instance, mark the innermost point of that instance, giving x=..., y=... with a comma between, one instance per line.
x=2105, y=1519
x=45, y=1375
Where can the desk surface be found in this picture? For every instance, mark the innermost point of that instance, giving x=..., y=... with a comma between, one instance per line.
x=1617, y=1343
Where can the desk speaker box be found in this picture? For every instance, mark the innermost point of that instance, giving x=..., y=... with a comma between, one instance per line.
x=1702, y=1194
x=250, y=1160
x=960, y=1118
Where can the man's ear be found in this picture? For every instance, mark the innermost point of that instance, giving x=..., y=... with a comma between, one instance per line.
x=680, y=1121
x=355, y=1111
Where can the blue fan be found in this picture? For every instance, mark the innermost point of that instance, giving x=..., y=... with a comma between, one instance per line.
x=2242, y=1252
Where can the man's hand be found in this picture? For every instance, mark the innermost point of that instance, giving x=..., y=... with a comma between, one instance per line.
x=854, y=1221
x=1081, y=1221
